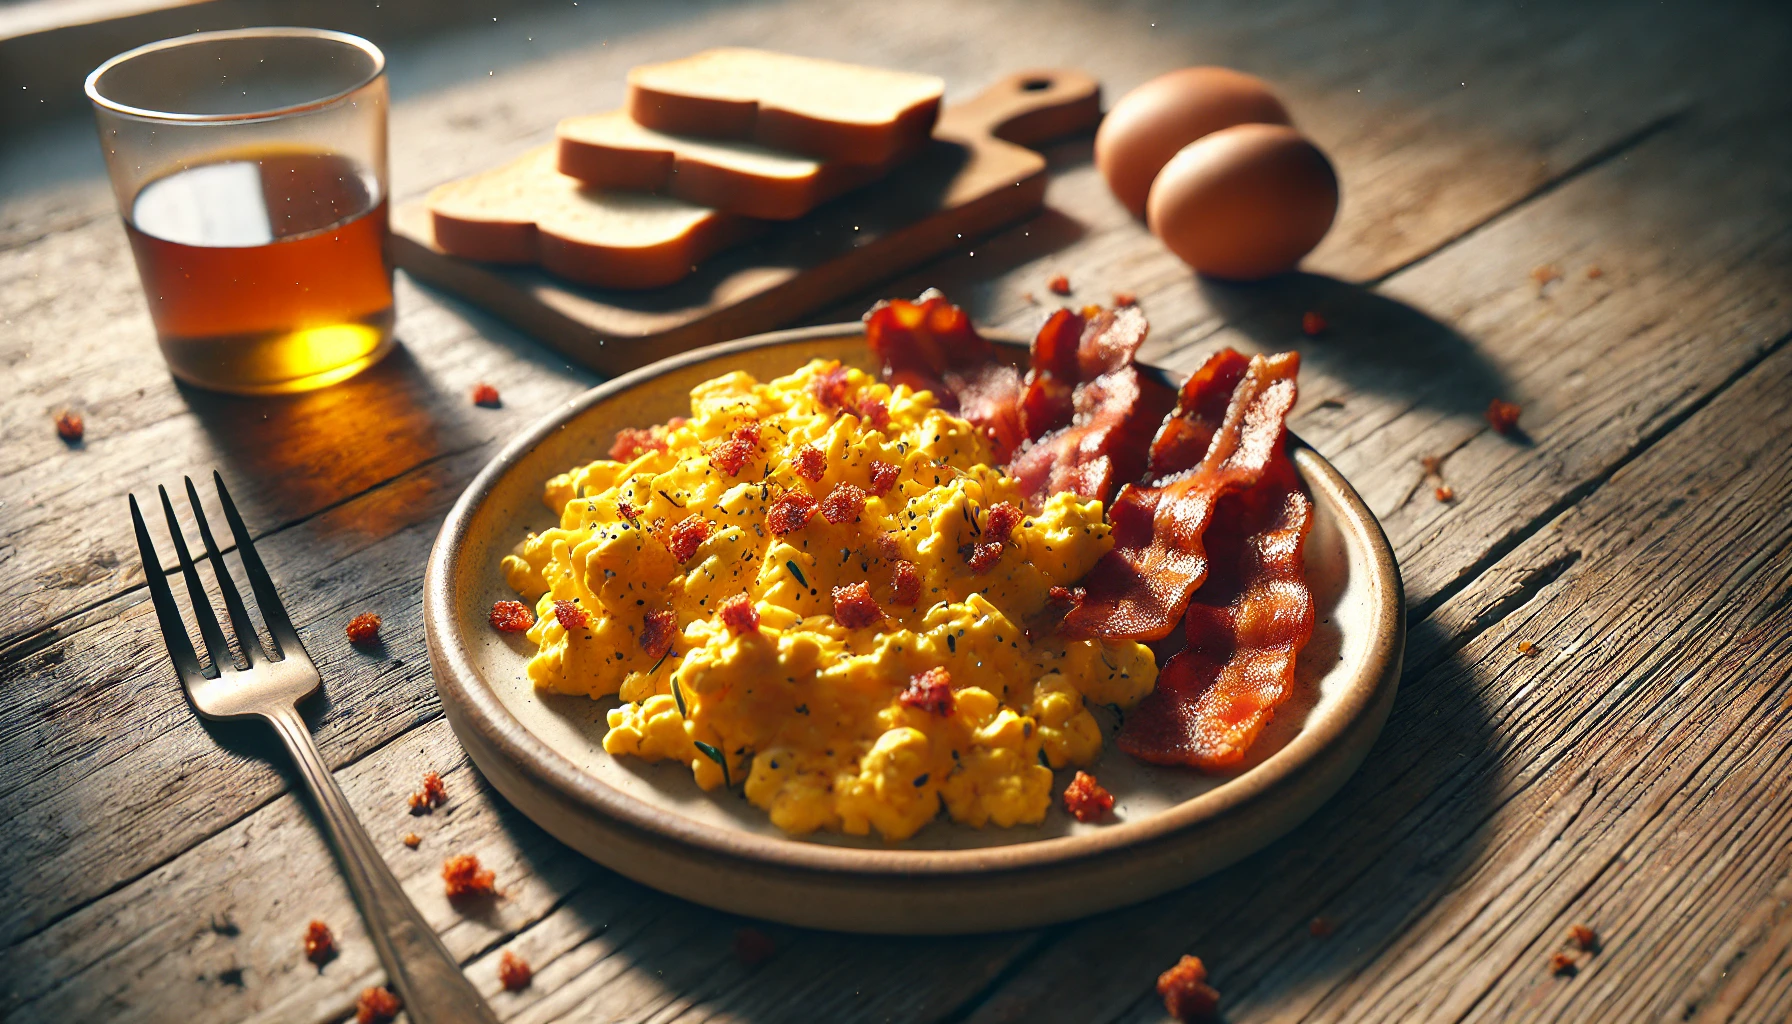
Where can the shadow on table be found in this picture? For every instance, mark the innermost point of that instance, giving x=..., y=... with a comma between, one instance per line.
x=1370, y=342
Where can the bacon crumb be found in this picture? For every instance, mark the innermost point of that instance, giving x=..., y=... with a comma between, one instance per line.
x=486, y=395
x=628, y=511
x=929, y=691
x=1086, y=799
x=829, y=386
x=70, y=426
x=1503, y=415
x=514, y=972
x=855, y=608
x=657, y=632
x=1187, y=996
x=1528, y=649
x=1584, y=937
x=1125, y=299
x=843, y=504
x=905, y=582
x=376, y=1006
x=1004, y=516
x=874, y=412
x=632, y=441
x=1594, y=273
x=363, y=628
x=732, y=455
x=739, y=615
x=1312, y=324
x=1432, y=464
x=1563, y=966
x=790, y=513
x=412, y=840
x=982, y=557
x=883, y=476
x=753, y=947
x=682, y=540
x=464, y=877
x=570, y=615
x=809, y=462
x=1444, y=492
x=511, y=617
x=1321, y=927
x=431, y=796
x=1543, y=274
x=1059, y=285
x=320, y=945
x=887, y=546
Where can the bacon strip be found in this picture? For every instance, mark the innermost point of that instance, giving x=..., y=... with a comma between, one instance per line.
x=1072, y=349
x=1116, y=414
x=1139, y=590
x=1245, y=627
x=929, y=344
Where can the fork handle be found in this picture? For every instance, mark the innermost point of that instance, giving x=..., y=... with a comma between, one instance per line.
x=426, y=975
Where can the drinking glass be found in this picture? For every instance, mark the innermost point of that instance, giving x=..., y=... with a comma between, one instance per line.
x=250, y=167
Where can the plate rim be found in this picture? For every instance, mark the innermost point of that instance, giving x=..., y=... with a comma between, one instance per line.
x=458, y=680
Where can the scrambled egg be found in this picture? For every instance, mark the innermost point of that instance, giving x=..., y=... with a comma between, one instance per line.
x=802, y=709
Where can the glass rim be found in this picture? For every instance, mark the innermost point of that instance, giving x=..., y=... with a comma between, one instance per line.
x=142, y=113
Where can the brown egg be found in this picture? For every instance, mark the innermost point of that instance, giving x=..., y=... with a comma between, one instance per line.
x=1149, y=124
x=1245, y=202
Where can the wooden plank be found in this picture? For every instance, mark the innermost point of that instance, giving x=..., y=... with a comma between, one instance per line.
x=1632, y=774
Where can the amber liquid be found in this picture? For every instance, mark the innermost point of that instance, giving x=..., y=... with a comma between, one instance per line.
x=266, y=272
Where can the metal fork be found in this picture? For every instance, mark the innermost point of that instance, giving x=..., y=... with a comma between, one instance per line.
x=269, y=687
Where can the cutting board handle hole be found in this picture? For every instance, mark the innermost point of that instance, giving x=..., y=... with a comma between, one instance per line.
x=1036, y=85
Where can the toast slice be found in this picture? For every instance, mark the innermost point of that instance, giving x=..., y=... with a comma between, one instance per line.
x=821, y=108
x=528, y=212
x=612, y=151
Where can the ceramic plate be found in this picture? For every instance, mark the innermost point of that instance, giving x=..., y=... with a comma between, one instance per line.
x=544, y=752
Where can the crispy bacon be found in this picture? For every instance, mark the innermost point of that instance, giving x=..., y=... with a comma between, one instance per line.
x=855, y=608
x=883, y=476
x=929, y=691
x=1115, y=416
x=683, y=540
x=1183, y=439
x=1244, y=626
x=875, y=412
x=790, y=512
x=658, y=629
x=829, y=386
x=1140, y=589
x=905, y=583
x=843, y=504
x=632, y=441
x=929, y=344
x=571, y=616
x=739, y=615
x=731, y=456
x=1072, y=349
x=809, y=462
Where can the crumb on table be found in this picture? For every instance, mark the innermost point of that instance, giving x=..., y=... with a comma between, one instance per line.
x=412, y=840
x=1529, y=650
x=463, y=876
x=1059, y=285
x=363, y=628
x=1563, y=966
x=1312, y=324
x=433, y=794
x=320, y=944
x=1544, y=273
x=486, y=395
x=1503, y=415
x=1125, y=299
x=376, y=1006
x=514, y=972
x=1444, y=492
x=1086, y=799
x=70, y=426
x=1584, y=937
x=1187, y=996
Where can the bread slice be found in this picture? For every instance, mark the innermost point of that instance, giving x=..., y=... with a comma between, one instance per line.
x=612, y=151
x=528, y=212
x=821, y=108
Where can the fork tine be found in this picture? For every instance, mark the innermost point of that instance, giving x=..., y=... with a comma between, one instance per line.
x=272, y=611
x=174, y=633
x=247, y=640
x=215, y=647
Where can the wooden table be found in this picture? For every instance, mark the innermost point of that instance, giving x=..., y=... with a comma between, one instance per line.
x=1588, y=212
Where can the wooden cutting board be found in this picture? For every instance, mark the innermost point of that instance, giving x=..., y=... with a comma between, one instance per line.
x=977, y=176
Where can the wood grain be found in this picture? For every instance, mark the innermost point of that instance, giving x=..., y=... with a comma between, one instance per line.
x=1630, y=777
